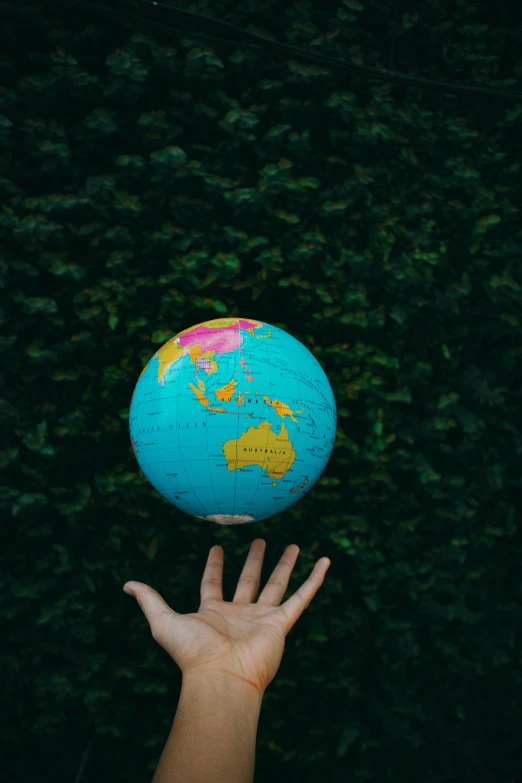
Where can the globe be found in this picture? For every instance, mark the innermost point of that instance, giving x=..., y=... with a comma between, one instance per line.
x=232, y=420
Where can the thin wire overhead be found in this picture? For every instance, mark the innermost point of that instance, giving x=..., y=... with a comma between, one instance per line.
x=256, y=43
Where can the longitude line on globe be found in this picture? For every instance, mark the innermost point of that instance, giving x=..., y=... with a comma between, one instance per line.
x=194, y=492
x=236, y=371
x=267, y=439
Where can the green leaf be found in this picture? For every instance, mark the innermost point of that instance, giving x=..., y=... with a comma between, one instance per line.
x=372, y=602
x=286, y=216
x=277, y=130
x=195, y=53
x=128, y=201
x=39, y=304
x=485, y=222
x=65, y=375
x=348, y=737
x=219, y=306
x=332, y=206
x=238, y=56
x=90, y=584
x=402, y=395
x=212, y=59
x=161, y=336
x=231, y=116
x=309, y=182
x=168, y=155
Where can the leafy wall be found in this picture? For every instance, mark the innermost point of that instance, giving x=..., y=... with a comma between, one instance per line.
x=149, y=182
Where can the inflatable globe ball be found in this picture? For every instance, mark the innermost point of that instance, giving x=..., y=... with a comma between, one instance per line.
x=232, y=420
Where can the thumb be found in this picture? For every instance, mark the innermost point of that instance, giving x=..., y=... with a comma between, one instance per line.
x=151, y=602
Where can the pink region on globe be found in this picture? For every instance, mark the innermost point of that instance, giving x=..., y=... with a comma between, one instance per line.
x=202, y=341
x=221, y=339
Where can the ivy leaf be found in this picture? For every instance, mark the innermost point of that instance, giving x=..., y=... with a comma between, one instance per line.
x=484, y=223
x=170, y=155
x=372, y=602
x=219, y=306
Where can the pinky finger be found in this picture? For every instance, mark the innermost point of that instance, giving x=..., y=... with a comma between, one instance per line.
x=301, y=599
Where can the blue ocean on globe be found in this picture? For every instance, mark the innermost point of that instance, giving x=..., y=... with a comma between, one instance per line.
x=233, y=420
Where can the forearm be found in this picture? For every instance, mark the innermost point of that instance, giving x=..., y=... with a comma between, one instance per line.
x=213, y=737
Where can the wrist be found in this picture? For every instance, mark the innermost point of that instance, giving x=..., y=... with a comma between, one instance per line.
x=223, y=687
x=213, y=736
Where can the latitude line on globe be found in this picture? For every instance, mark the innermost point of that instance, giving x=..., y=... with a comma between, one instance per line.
x=209, y=468
x=192, y=397
x=207, y=512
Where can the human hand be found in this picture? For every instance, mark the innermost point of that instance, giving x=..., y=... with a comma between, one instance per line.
x=241, y=638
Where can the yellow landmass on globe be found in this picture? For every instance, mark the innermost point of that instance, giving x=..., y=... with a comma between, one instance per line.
x=245, y=368
x=227, y=391
x=260, y=446
x=203, y=400
x=281, y=408
x=167, y=355
x=171, y=352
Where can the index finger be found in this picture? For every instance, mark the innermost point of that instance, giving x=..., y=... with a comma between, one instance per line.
x=212, y=582
x=301, y=599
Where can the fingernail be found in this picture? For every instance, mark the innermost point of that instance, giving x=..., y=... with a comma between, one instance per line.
x=127, y=589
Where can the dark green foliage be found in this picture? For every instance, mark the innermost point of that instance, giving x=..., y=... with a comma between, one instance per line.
x=149, y=183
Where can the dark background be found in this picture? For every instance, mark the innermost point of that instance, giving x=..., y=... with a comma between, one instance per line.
x=149, y=182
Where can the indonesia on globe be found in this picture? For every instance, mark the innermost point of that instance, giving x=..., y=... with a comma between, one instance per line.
x=232, y=420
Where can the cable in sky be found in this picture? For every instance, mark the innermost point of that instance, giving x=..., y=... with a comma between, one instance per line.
x=256, y=43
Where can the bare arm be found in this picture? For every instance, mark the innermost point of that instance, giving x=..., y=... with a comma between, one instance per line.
x=213, y=737
x=228, y=653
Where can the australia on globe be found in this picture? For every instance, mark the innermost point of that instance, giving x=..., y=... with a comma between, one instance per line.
x=232, y=420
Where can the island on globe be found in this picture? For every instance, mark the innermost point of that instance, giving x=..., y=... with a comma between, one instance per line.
x=232, y=420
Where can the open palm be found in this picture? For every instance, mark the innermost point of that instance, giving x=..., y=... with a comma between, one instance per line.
x=241, y=638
